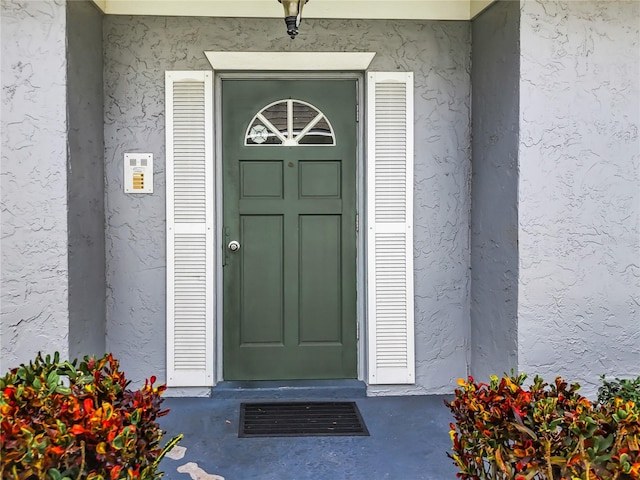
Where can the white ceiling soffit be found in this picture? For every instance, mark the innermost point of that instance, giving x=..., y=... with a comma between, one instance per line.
x=380, y=9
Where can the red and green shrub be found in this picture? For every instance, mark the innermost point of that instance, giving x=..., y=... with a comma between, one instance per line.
x=503, y=430
x=59, y=420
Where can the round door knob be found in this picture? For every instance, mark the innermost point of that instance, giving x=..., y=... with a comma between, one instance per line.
x=234, y=246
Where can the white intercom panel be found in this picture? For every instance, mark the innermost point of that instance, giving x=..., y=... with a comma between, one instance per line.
x=138, y=173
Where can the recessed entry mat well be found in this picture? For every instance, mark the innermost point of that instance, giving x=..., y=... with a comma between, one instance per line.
x=301, y=419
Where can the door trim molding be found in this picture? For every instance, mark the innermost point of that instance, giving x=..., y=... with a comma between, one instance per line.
x=289, y=61
x=259, y=74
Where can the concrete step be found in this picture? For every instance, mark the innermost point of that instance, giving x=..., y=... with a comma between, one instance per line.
x=291, y=389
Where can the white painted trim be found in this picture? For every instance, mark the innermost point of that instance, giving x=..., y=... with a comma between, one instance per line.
x=219, y=239
x=187, y=392
x=101, y=4
x=290, y=61
x=477, y=6
x=360, y=9
x=361, y=168
x=411, y=336
x=361, y=250
x=211, y=230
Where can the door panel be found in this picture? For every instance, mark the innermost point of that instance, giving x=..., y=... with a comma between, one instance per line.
x=320, y=179
x=320, y=279
x=261, y=179
x=262, y=280
x=290, y=290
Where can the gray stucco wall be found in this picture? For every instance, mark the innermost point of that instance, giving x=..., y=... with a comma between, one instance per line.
x=495, y=78
x=85, y=180
x=579, y=194
x=138, y=50
x=34, y=311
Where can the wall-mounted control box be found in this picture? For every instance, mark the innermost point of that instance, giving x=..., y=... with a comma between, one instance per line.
x=138, y=173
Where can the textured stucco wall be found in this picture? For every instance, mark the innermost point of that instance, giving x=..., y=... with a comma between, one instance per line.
x=34, y=310
x=138, y=50
x=579, y=192
x=85, y=180
x=495, y=83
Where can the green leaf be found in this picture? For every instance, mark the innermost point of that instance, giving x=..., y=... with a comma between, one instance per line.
x=55, y=474
x=71, y=371
x=61, y=389
x=84, y=379
x=606, y=442
x=603, y=458
x=118, y=443
x=37, y=384
x=555, y=423
x=52, y=380
x=61, y=426
x=135, y=416
x=170, y=444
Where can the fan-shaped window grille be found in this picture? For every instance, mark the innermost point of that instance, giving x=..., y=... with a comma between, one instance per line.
x=290, y=123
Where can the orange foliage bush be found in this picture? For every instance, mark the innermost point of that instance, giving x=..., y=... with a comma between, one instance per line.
x=546, y=432
x=59, y=421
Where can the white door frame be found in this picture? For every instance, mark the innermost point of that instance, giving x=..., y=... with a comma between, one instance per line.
x=291, y=65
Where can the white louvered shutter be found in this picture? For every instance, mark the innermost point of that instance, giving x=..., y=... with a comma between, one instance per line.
x=390, y=233
x=190, y=232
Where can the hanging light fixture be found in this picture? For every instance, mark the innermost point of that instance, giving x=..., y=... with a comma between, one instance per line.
x=293, y=15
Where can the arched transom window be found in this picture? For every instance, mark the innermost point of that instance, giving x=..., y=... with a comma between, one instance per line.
x=290, y=123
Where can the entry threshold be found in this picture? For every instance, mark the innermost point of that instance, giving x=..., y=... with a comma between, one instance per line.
x=290, y=389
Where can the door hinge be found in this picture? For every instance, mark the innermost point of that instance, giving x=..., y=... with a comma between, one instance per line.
x=357, y=223
x=357, y=112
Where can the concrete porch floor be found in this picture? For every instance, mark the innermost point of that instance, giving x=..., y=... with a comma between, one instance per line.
x=408, y=441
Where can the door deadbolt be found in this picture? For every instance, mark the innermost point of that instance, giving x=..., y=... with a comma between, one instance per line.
x=234, y=246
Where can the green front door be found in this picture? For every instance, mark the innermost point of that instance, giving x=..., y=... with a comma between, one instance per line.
x=289, y=185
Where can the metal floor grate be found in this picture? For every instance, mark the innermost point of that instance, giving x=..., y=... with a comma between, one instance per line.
x=301, y=419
